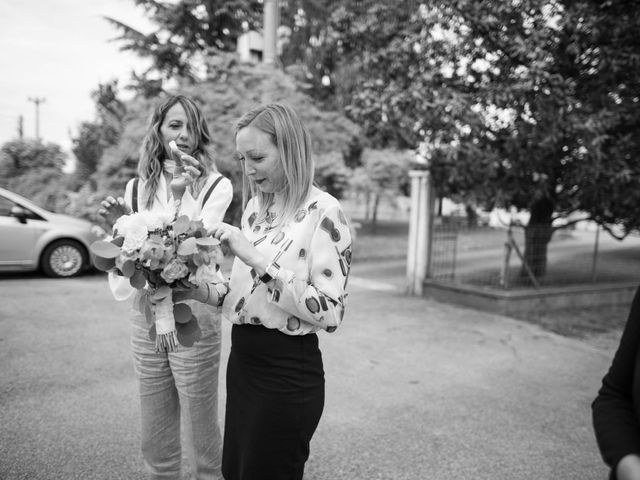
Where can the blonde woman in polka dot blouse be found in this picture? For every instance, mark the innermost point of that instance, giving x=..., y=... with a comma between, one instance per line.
x=288, y=281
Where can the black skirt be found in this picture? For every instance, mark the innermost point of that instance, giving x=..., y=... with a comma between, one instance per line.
x=275, y=397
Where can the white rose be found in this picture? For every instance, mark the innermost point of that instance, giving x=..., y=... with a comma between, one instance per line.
x=134, y=238
x=127, y=222
x=156, y=220
x=205, y=274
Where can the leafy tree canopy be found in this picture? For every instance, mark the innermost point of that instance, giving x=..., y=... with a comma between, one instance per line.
x=185, y=30
x=525, y=103
x=33, y=169
x=94, y=136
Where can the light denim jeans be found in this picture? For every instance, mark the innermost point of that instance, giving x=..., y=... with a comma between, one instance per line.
x=180, y=388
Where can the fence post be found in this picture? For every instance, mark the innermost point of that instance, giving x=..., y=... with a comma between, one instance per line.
x=504, y=271
x=594, y=261
x=420, y=231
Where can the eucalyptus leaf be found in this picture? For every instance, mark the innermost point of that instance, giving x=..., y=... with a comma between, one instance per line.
x=181, y=225
x=160, y=293
x=182, y=312
x=118, y=241
x=103, y=249
x=138, y=280
x=104, y=264
x=128, y=268
x=207, y=242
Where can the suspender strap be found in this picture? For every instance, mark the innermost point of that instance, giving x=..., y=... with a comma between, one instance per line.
x=134, y=195
x=211, y=189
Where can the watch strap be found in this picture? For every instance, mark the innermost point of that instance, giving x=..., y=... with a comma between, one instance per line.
x=271, y=272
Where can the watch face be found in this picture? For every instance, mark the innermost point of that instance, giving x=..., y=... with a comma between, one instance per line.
x=265, y=278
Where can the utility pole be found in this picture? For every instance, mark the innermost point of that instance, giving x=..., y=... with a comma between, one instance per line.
x=270, y=28
x=37, y=101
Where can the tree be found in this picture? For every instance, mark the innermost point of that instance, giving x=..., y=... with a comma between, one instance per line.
x=33, y=169
x=331, y=173
x=186, y=30
x=525, y=103
x=94, y=136
x=303, y=50
x=382, y=174
x=87, y=148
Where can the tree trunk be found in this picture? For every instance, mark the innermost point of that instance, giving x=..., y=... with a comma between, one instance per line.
x=472, y=216
x=537, y=235
x=367, y=202
x=374, y=217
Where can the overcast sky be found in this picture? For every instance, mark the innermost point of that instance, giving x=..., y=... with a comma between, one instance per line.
x=59, y=50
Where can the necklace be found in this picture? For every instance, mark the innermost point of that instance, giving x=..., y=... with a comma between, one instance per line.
x=270, y=217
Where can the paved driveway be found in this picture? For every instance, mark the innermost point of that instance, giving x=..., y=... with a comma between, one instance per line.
x=415, y=390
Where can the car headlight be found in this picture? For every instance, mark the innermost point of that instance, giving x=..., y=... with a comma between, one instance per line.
x=98, y=231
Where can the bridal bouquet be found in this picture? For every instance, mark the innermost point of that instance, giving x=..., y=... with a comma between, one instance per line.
x=157, y=251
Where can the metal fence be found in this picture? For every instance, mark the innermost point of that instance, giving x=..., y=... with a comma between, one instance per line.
x=495, y=257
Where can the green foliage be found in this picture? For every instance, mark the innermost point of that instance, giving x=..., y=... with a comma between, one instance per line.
x=33, y=169
x=387, y=169
x=93, y=137
x=331, y=173
x=383, y=173
x=303, y=53
x=185, y=31
x=530, y=104
x=21, y=156
x=87, y=148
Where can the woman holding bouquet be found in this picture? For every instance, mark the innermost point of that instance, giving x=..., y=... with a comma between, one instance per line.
x=177, y=386
x=288, y=281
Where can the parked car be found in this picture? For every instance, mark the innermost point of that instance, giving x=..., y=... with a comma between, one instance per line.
x=33, y=238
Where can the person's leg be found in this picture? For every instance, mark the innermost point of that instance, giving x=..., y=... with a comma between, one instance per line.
x=272, y=412
x=195, y=370
x=159, y=406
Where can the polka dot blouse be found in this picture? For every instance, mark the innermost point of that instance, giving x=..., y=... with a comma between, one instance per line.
x=313, y=252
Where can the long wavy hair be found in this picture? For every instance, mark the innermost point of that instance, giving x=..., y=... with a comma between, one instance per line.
x=153, y=152
x=289, y=135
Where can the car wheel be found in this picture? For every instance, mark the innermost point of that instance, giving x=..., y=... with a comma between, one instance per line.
x=64, y=258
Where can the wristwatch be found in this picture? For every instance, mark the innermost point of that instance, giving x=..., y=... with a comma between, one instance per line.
x=270, y=272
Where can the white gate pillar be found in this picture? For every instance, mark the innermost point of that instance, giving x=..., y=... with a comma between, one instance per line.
x=270, y=28
x=420, y=231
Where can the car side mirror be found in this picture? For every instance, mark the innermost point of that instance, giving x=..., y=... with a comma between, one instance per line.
x=20, y=213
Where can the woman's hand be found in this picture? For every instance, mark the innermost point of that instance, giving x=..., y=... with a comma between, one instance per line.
x=112, y=209
x=239, y=246
x=185, y=174
x=628, y=468
x=187, y=291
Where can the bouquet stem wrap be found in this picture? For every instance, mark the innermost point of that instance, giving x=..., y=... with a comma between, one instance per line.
x=166, y=334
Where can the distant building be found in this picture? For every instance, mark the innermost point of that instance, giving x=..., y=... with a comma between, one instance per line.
x=250, y=47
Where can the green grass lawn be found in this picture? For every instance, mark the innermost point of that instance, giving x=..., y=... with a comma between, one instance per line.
x=385, y=241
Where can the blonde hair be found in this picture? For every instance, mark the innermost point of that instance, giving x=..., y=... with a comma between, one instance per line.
x=153, y=153
x=287, y=132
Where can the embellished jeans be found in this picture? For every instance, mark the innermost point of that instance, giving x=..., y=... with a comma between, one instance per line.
x=180, y=389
